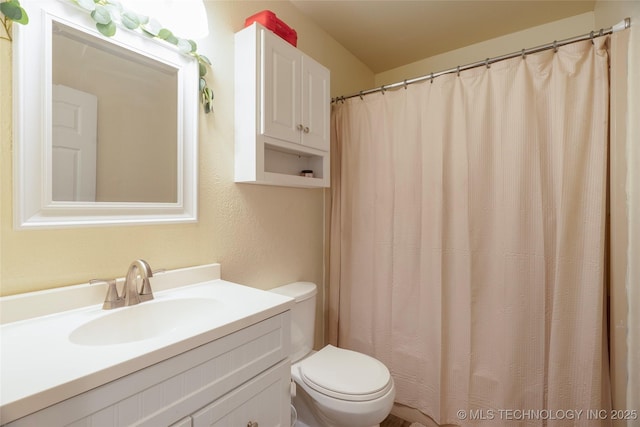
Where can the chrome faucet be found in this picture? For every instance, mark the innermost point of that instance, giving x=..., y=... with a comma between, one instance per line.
x=130, y=293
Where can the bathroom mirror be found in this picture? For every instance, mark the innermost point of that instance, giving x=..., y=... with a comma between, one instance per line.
x=105, y=129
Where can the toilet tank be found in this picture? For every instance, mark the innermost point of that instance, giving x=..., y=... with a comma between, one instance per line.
x=303, y=316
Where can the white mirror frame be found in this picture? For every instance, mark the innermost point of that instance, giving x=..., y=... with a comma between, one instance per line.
x=32, y=135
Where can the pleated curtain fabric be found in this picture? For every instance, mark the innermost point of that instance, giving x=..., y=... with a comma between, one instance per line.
x=468, y=238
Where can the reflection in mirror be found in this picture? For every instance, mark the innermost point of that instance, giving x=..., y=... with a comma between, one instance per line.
x=105, y=129
x=113, y=123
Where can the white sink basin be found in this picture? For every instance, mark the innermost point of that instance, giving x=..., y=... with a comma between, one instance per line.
x=146, y=320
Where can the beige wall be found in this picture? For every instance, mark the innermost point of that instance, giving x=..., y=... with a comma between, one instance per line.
x=535, y=36
x=263, y=236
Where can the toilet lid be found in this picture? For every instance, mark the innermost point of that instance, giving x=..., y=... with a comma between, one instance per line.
x=345, y=374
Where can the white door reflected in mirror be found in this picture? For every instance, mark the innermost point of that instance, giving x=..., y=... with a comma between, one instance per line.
x=74, y=124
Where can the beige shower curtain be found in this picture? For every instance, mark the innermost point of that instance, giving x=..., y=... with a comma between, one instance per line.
x=467, y=239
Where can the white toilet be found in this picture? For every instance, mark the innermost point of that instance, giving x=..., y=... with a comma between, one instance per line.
x=335, y=387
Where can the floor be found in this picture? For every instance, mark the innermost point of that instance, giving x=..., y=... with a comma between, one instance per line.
x=393, y=421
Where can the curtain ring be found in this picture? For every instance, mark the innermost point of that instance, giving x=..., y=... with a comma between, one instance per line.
x=382, y=89
x=555, y=46
x=361, y=97
x=431, y=78
x=458, y=70
x=486, y=62
x=524, y=56
x=601, y=33
x=591, y=35
x=405, y=85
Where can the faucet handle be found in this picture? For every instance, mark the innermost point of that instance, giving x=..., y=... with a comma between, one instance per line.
x=146, y=293
x=113, y=299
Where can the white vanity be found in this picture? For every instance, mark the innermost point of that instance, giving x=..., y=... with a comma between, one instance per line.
x=203, y=352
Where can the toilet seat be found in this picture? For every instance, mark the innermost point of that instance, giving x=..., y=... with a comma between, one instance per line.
x=345, y=374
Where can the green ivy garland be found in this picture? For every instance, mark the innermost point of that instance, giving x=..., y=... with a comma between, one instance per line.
x=107, y=14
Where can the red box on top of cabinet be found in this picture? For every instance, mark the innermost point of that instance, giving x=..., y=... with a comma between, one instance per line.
x=275, y=24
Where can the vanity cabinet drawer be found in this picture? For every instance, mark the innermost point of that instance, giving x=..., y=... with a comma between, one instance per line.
x=264, y=401
x=169, y=391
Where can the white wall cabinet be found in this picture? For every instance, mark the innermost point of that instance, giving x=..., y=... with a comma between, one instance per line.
x=282, y=112
x=240, y=378
x=295, y=105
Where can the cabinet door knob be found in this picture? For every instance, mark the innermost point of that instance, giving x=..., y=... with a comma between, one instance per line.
x=252, y=424
x=300, y=127
x=305, y=130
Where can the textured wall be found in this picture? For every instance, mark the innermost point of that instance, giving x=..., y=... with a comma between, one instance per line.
x=263, y=236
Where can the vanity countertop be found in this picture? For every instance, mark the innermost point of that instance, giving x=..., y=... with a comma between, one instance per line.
x=41, y=365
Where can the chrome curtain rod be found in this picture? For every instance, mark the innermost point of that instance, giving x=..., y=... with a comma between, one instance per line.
x=626, y=23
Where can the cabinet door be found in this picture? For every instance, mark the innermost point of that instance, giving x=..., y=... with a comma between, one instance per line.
x=265, y=401
x=315, y=104
x=280, y=100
